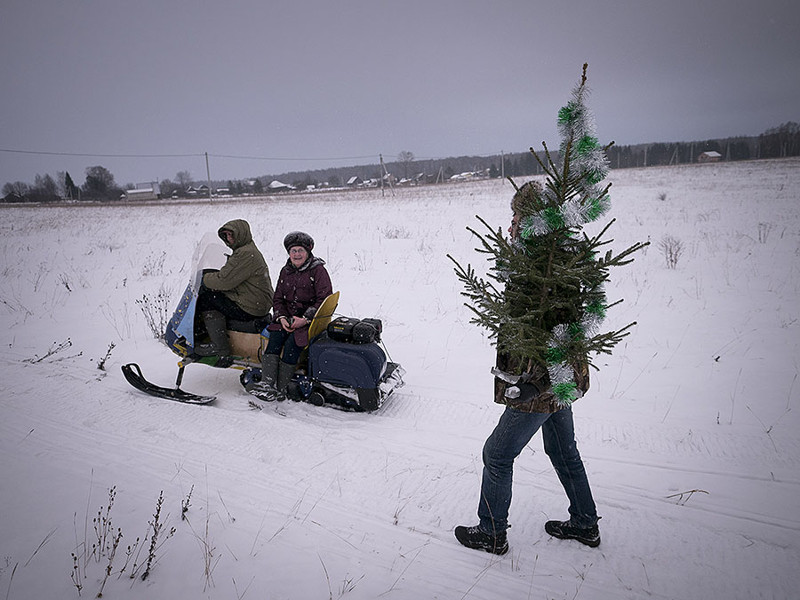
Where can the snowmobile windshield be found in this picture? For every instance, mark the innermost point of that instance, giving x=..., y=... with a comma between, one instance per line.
x=210, y=253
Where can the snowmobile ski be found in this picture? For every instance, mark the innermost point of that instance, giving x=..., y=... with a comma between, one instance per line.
x=133, y=374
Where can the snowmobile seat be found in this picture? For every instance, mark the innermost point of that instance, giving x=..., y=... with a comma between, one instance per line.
x=254, y=326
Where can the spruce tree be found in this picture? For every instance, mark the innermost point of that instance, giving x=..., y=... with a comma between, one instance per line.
x=70, y=187
x=543, y=300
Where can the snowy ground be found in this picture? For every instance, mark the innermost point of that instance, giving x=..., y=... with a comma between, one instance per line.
x=689, y=433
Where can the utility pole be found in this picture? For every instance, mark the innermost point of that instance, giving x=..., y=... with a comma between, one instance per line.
x=208, y=177
x=385, y=173
x=502, y=167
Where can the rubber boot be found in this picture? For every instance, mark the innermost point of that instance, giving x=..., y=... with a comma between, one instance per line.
x=217, y=331
x=285, y=372
x=269, y=369
x=265, y=388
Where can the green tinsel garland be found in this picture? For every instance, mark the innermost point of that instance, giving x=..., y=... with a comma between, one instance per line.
x=581, y=148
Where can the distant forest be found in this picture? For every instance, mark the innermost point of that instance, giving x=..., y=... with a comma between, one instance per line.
x=779, y=142
x=99, y=185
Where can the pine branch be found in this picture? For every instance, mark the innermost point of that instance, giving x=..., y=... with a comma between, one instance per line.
x=605, y=342
x=551, y=169
x=619, y=260
x=548, y=167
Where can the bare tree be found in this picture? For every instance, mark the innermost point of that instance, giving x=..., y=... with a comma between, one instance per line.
x=183, y=179
x=45, y=189
x=406, y=158
x=19, y=188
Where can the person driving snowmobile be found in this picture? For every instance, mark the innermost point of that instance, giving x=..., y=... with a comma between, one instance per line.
x=240, y=290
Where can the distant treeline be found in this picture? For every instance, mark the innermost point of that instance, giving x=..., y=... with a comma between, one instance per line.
x=779, y=142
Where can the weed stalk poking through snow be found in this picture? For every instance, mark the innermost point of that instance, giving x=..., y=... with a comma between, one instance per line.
x=672, y=248
x=157, y=310
x=186, y=503
x=156, y=526
x=101, y=364
x=52, y=351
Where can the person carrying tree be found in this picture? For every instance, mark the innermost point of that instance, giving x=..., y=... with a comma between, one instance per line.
x=530, y=406
x=544, y=317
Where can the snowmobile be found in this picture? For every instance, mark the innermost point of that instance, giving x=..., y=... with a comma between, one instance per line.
x=344, y=366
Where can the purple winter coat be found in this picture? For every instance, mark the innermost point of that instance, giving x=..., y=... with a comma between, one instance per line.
x=299, y=293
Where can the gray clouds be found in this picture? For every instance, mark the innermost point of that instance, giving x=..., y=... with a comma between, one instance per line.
x=316, y=80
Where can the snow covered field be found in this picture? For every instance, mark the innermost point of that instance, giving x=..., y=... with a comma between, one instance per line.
x=689, y=433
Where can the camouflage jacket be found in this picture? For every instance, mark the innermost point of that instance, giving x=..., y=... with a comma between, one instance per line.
x=532, y=383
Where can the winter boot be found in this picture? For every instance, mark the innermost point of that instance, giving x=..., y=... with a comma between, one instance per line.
x=217, y=331
x=285, y=372
x=477, y=539
x=265, y=388
x=563, y=530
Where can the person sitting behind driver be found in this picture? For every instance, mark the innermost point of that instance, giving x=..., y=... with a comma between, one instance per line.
x=303, y=284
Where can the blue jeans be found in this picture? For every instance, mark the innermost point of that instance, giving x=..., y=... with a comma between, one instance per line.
x=512, y=433
x=284, y=341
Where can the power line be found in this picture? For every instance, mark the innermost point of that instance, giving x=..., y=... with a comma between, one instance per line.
x=227, y=156
x=190, y=155
x=93, y=155
x=292, y=159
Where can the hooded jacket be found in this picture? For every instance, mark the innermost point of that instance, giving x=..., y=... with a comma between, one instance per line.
x=245, y=276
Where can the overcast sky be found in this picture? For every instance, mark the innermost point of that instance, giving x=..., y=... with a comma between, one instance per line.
x=304, y=84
